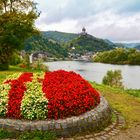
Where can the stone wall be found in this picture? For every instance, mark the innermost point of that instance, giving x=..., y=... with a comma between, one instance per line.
x=94, y=119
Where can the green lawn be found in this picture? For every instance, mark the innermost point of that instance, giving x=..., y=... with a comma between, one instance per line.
x=14, y=69
x=123, y=101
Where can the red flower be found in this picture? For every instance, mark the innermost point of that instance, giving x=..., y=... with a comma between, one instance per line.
x=68, y=94
x=16, y=93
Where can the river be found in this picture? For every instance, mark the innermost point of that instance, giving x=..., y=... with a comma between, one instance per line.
x=96, y=71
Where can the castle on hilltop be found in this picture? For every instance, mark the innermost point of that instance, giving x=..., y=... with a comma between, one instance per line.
x=83, y=31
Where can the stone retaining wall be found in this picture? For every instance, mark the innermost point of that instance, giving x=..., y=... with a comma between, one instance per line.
x=98, y=117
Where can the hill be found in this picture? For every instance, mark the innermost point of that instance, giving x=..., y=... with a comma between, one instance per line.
x=59, y=36
x=41, y=43
x=60, y=44
x=128, y=45
x=88, y=43
x=138, y=47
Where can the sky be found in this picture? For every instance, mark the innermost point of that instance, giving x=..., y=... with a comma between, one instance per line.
x=116, y=20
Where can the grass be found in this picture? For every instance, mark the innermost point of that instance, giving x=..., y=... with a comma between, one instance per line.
x=34, y=135
x=122, y=101
x=37, y=135
x=133, y=92
x=14, y=69
x=7, y=134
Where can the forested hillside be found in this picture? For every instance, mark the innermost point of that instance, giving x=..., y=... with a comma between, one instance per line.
x=59, y=36
x=88, y=43
x=60, y=44
x=40, y=43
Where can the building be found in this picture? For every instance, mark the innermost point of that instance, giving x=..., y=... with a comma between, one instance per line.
x=83, y=31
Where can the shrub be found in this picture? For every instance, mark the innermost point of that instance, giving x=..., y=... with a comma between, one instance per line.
x=38, y=65
x=15, y=59
x=4, y=66
x=113, y=78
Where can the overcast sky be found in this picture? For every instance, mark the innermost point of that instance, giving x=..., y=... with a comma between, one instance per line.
x=117, y=20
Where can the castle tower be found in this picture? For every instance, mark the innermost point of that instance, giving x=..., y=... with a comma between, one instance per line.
x=83, y=31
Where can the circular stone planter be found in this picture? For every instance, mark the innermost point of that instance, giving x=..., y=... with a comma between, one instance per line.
x=94, y=119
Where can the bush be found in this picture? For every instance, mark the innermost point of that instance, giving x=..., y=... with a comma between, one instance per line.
x=38, y=65
x=113, y=78
x=15, y=59
x=4, y=66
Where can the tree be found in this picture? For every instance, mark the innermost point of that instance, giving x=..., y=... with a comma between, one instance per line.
x=113, y=78
x=17, y=19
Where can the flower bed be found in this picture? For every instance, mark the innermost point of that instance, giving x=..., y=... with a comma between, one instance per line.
x=55, y=95
x=68, y=94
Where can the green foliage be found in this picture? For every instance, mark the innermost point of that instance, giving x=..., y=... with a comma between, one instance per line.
x=4, y=66
x=86, y=43
x=38, y=65
x=26, y=62
x=7, y=134
x=37, y=135
x=60, y=36
x=119, y=56
x=58, y=44
x=15, y=59
x=133, y=92
x=120, y=100
x=41, y=43
x=34, y=135
x=16, y=25
x=113, y=78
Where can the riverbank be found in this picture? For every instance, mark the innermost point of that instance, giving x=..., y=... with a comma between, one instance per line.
x=121, y=56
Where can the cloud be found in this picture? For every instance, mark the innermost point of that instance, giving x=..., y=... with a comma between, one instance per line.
x=113, y=26
x=57, y=10
x=112, y=19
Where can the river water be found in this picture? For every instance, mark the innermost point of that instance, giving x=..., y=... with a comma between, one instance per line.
x=96, y=71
